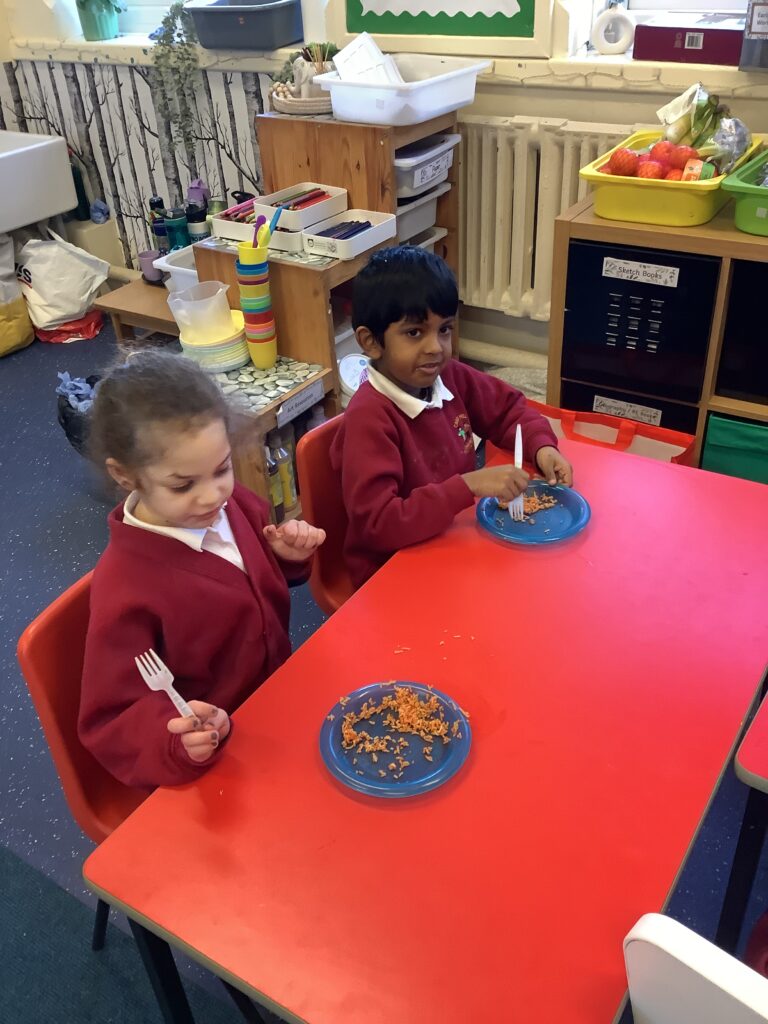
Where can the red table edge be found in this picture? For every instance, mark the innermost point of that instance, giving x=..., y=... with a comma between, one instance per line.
x=746, y=775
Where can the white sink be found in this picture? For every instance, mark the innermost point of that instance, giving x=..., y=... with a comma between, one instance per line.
x=35, y=179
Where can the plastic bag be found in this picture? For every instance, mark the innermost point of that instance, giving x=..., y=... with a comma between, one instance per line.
x=699, y=120
x=15, y=328
x=59, y=281
x=87, y=326
x=75, y=422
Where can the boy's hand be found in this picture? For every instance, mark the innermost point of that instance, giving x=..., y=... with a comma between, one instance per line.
x=201, y=735
x=555, y=468
x=503, y=482
x=294, y=541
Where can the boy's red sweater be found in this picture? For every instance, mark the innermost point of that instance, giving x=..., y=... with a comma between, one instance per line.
x=221, y=631
x=401, y=477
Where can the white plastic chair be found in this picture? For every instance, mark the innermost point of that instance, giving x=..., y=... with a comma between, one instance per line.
x=677, y=977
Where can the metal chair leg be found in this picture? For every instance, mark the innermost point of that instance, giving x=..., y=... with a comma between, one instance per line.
x=100, y=925
x=163, y=975
x=248, y=1010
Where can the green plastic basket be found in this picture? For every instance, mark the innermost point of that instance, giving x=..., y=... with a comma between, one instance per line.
x=751, y=208
x=736, y=448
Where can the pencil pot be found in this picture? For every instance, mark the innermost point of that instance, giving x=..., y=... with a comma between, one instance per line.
x=263, y=353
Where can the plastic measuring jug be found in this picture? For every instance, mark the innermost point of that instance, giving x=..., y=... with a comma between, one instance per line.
x=202, y=312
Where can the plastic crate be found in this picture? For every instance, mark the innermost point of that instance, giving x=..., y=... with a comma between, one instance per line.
x=431, y=86
x=417, y=215
x=737, y=448
x=750, y=212
x=652, y=201
x=263, y=25
x=425, y=163
x=181, y=268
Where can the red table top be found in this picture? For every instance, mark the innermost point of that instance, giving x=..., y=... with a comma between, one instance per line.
x=607, y=679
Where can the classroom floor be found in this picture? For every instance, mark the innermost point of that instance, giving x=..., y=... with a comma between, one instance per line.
x=55, y=511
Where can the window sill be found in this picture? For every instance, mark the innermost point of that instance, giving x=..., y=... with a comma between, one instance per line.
x=137, y=49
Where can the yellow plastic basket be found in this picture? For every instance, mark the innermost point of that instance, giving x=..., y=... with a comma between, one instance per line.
x=650, y=201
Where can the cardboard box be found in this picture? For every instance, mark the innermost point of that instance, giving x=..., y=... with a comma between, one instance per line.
x=690, y=39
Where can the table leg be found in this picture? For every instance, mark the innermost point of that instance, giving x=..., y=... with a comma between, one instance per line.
x=743, y=870
x=123, y=332
x=163, y=974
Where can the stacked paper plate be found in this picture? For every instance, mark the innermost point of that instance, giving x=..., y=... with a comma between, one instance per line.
x=226, y=354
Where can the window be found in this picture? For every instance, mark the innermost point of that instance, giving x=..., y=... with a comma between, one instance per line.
x=143, y=16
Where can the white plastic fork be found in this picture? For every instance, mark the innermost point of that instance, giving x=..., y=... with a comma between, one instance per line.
x=516, y=507
x=158, y=676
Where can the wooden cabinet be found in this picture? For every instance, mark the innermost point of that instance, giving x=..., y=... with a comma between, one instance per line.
x=628, y=330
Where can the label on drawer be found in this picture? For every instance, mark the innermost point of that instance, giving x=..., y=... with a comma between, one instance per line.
x=433, y=170
x=644, y=273
x=300, y=402
x=627, y=410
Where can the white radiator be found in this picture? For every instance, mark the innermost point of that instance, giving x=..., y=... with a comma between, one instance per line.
x=517, y=174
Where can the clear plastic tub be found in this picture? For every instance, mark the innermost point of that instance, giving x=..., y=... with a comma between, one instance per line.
x=417, y=215
x=424, y=163
x=431, y=86
x=180, y=266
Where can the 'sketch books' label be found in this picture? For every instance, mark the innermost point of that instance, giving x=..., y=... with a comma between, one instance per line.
x=627, y=410
x=644, y=273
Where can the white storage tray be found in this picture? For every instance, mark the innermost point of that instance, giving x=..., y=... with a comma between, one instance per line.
x=431, y=86
x=297, y=220
x=419, y=214
x=383, y=226
x=180, y=264
x=427, y=240
x=424, y=163
x=283, y=241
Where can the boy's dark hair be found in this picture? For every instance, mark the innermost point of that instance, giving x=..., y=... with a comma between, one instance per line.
x=403, y=282
x=150, y=388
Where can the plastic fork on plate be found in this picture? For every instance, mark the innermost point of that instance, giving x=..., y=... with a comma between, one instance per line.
x=158, y=676
x=516, y=508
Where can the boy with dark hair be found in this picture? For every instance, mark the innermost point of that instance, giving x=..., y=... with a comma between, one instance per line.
x=405, y=447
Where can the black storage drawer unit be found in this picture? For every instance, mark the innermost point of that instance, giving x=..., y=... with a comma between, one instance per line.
x=638, y=319
x=743, y=371
x=658, y=411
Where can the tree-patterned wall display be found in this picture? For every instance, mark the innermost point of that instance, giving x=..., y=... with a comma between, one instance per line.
x=112, y=118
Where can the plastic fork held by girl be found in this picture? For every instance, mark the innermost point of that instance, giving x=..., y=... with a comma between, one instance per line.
x=157, y=676
x=516, y=507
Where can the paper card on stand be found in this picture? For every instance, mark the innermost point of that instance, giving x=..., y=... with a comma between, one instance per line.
x=363, y=61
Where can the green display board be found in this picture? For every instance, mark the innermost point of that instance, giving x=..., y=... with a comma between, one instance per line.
x=519, y=26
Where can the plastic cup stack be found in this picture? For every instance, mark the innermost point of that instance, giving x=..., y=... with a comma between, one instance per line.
x=256, y=304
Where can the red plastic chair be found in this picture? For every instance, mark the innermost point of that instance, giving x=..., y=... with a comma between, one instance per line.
x=50, y=652
x=323, y=506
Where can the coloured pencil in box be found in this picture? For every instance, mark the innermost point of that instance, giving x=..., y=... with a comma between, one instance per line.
x=347, y=229
x=300, y=200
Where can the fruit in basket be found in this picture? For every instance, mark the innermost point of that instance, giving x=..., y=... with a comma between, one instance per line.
x=624, y=162
x=674, y=175
x=662, y=152
x=651, y=169
x=681, y=155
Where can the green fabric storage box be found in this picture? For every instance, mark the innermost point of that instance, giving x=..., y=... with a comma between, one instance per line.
x=736, y=448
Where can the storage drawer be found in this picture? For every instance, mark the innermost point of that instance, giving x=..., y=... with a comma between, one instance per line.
x=737, y=448
x=659, y=412
x=638, y=319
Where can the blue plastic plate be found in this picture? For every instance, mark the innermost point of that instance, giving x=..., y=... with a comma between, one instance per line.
x=421, y=775
x=567, y=518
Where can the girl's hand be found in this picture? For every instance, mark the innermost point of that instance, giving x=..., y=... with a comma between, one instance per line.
x=555, y=468
x=201, y=735
x=293, y=541
x=504, y=482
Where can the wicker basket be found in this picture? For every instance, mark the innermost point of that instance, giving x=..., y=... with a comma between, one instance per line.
x=305, y=107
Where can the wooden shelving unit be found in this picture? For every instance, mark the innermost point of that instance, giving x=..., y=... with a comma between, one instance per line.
x=718, y=238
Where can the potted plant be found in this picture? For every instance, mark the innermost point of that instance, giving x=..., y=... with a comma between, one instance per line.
x=98, y=18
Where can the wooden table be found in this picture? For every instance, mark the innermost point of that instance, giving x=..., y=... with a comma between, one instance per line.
x=607, y=679
x=138, y=304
